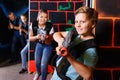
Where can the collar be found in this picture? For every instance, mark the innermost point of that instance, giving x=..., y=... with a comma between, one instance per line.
x=42, y=27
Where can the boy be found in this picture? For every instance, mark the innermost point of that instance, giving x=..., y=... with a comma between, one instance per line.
x=77, y=48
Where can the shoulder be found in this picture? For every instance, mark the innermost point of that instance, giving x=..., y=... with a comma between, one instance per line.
x=91, y=51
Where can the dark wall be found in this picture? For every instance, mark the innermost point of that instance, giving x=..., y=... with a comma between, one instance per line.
x=18, y=7
x=108, y=36
x=4, y=37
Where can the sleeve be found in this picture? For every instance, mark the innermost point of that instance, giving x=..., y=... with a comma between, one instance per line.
x=18, y=21
x=90, y=57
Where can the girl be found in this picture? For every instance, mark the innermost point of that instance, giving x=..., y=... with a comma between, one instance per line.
x=41, y=32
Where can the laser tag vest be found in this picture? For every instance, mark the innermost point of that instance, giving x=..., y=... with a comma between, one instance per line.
x=75, y=50
x=47, y=28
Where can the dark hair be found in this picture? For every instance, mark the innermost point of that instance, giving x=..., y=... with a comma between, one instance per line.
x=10, y=13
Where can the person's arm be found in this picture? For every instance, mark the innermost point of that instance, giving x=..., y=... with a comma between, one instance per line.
x=21, y=29
x=59, y=37
x=86, y=69
x=16, y=27
x=11, y=26
x=24, y=30
x=33, y=37
x=83, y=70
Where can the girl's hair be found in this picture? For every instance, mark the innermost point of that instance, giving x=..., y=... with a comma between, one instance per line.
x=92, y=14
x=42, y=11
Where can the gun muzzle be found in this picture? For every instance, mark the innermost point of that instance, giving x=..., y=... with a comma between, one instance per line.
x=64, y=51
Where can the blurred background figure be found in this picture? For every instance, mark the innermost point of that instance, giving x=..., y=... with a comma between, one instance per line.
x=14, y=24
x=23, y=29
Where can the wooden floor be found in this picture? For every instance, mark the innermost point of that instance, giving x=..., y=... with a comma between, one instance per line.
x=11, y=72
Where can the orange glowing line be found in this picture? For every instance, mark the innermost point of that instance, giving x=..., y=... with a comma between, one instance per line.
x=34, y=10
x=31, y=50
x=109, y=17
x=107, y=68
x=109, y=46
x=38, y=6
x=95, y=3
x=113, y=32
x=111, y=74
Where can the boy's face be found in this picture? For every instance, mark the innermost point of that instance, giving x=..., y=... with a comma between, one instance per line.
x=12, y=17
x=42, y=18
x=83, y=24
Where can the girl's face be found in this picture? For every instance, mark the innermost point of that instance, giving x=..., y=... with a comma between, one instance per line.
x=24, y=19
x=42, y=18
x=83, y=25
